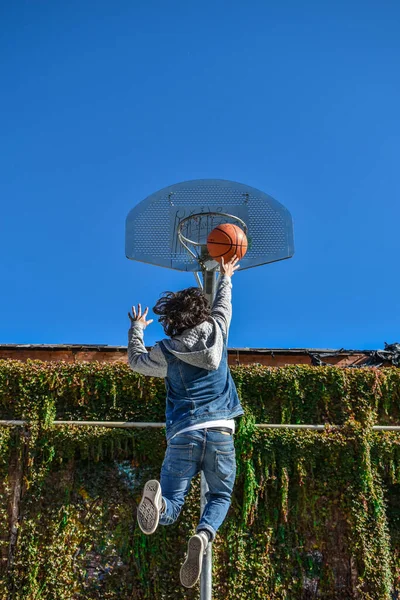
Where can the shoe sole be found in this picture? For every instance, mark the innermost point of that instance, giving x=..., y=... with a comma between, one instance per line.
x=148, y=513
x=191, y=568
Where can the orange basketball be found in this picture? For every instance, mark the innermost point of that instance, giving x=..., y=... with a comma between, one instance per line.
x=226, y=240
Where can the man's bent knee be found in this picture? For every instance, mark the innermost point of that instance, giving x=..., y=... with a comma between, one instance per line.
x=172, y=511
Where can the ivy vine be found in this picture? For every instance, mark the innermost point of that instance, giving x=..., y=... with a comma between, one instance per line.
x=314, y=514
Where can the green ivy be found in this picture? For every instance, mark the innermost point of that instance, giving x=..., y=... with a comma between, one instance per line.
x=314, y=514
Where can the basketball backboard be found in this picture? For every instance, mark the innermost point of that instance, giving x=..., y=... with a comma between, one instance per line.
x=151, y=226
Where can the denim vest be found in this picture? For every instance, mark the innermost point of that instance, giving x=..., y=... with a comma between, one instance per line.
x=196, y=395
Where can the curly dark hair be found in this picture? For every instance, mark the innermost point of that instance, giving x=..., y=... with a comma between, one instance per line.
x=180, y=310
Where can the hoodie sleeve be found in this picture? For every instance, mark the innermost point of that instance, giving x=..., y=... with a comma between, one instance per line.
x=153, y=363
x=222, y=306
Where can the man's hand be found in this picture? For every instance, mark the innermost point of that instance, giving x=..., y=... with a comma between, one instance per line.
x=139, y=317
x=230, y=267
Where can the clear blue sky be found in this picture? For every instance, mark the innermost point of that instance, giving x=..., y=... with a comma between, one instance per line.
x=103, y=103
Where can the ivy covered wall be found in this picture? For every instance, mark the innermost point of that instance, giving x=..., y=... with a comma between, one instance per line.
x=315, y=514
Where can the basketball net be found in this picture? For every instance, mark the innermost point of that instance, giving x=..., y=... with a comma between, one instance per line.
x=192, y=234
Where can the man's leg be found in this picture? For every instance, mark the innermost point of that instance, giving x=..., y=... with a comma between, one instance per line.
x=162, y=503
x=181, y=464
x=219, y=467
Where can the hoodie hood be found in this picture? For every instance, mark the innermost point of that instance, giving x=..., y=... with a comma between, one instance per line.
x=199, y=346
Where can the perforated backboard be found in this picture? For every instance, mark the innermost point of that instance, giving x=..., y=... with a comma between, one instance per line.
x=151, y=226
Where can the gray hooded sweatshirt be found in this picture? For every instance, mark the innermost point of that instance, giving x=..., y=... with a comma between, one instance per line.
x=200, y=346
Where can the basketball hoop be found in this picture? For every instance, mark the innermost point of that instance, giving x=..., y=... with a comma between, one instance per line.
x=269, y=224
x=198, y=226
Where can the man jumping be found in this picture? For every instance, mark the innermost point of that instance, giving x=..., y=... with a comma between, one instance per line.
x=201, y=405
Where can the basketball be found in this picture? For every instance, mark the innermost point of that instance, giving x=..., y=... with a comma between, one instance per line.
x=225, y=241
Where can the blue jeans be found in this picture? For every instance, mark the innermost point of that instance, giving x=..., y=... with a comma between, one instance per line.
x=188, y=453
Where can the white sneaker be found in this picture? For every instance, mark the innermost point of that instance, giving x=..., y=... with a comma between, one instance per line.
x=148, y=513
x=191, y=568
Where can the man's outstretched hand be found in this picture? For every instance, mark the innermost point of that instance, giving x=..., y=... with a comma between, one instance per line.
x=230, y=267
x=139, y=317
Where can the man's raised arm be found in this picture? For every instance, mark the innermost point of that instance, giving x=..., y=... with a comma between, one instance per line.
x=222, y=305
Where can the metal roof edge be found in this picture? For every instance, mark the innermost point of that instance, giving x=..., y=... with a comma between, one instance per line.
x=109, y=348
